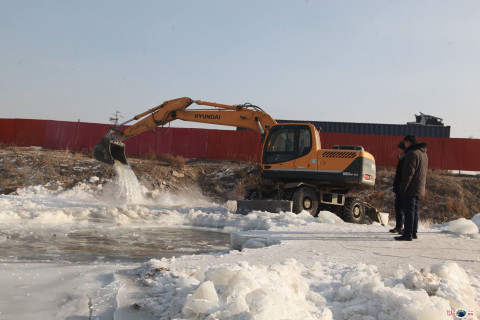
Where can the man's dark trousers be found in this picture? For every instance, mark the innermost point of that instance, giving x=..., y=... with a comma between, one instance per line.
x=399, y=211
x=410, y=205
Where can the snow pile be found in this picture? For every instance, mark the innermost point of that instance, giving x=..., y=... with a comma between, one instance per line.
x=455, y=286
x=291, y=290
x=328, y=217
x=239, y=291
x=462, y=226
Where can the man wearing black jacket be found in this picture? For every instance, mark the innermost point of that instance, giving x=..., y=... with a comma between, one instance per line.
x=412, y=184
x=396, y=189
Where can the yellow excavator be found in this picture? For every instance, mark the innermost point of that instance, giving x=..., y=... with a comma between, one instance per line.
x=301, y=175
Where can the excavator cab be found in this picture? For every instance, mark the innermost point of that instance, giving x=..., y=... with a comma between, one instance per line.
x=109, y=150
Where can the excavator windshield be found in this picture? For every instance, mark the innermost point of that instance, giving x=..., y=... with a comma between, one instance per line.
x=287, y=142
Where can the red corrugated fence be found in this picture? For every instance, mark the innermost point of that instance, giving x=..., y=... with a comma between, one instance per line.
x=444, y=153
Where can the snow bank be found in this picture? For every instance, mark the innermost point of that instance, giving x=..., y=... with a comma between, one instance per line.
x=291, y=290
x=462, y=226
x=238, y=291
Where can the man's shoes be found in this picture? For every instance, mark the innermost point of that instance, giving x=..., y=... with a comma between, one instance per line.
x=395, y=230
x=403, y=238
x=414, y=236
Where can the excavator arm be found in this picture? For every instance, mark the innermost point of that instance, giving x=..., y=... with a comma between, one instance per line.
x=111, y=148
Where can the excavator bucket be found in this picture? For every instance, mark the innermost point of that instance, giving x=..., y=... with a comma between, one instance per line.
x=108, y=150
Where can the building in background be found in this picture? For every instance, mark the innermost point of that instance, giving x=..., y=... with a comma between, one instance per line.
x=424, y=126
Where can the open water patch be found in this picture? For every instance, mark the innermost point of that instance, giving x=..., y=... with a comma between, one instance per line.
x=108, y=244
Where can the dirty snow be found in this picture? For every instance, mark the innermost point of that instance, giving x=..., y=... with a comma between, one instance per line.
x=280, y=266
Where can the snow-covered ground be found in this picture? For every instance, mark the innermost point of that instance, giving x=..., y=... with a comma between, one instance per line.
x=280, y=266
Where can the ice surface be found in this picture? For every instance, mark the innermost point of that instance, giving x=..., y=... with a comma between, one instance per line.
x=288, y=267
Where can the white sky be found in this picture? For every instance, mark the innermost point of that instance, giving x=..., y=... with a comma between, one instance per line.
x=354, y=61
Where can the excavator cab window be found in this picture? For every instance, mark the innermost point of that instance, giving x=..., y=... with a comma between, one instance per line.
x=305, y=141
x=287, y=142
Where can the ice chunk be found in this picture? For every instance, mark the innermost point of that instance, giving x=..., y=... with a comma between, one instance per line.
x=422, y=279
x=256, y=243
x=328, y=217
x=462, y=226
x=220, y=276
x=455, y=286
x=203, y=301
x=206, y=291
x=476, y=220
x=245, y=278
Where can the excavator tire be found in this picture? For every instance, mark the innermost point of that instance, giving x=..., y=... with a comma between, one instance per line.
x=305, y=199
x=353, y=210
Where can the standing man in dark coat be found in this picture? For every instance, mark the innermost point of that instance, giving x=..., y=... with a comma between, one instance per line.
x=412, y=184
x=396, y=189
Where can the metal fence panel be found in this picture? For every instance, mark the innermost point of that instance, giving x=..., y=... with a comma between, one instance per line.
x=60, y=135
x=443, y=153
x=189, y=142
x=7, y=131
x=87, y=135
x=241, y=145
x=29, y=132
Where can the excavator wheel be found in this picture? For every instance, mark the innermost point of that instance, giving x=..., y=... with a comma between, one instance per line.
x=353, y=211
x=305, y=199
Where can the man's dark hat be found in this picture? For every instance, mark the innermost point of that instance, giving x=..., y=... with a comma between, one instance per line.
x=411, y=138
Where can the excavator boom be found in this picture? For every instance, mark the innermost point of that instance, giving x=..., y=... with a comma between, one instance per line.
x=111, y=147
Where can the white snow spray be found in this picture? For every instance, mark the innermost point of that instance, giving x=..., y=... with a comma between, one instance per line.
x=129, y=187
